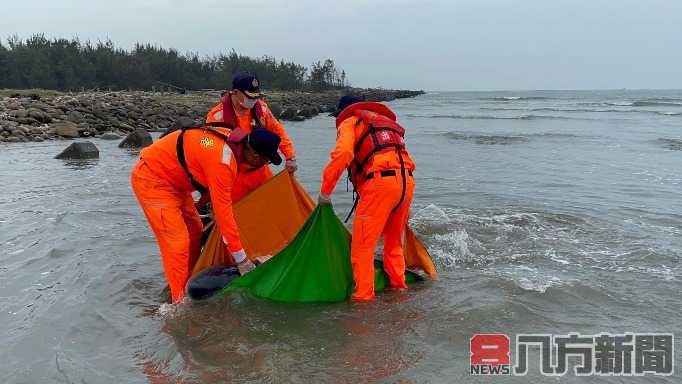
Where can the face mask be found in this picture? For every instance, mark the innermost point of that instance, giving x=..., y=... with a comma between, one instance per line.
x=248, y=103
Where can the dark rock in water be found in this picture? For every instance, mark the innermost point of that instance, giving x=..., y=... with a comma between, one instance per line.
x=289, y=114
x=109, y=136
x=210, y=281
x=297, y=118
x=80, y=150
x=137, y=139
x=311, y=111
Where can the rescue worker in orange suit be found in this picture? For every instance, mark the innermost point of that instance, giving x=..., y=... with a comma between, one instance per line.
x=242, y=107
x=204, y=159
x=370, y=144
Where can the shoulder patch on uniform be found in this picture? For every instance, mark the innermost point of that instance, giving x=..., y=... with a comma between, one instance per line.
x=206, y=142
x=227, y=154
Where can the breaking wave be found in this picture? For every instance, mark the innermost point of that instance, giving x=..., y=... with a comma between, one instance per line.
x=487, y=139
x=645, y=103
x=585, y=110
x=490, y=117
x=503, y=139
x=515, y=98
x=638, y=103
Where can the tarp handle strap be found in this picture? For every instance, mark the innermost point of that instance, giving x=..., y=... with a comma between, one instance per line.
x=356, y=200
x=180, y=149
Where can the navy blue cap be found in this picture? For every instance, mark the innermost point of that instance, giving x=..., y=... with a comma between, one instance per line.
x=265, y=143
x=247, y=83
x=344, y=102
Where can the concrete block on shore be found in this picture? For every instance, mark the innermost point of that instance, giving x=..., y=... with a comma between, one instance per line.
x=80, y=150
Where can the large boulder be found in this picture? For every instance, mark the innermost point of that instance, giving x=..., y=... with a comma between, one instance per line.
x=139, y=138
x=74, y=116
x=80, y=150
x=39, y=115
x=66, y=129
x=309, y=112
x=289, y=114
x=19, y=114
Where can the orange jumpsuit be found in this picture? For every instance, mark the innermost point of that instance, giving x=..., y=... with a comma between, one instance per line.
x=377, y=212
x=165, y=194
x=249, y=178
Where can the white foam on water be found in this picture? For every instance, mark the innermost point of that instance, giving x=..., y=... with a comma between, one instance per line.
x=538, y=283
x=430, y=215
x=166, y=310
x=452, y=247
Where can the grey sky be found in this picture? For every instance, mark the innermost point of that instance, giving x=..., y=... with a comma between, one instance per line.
x=433, y=45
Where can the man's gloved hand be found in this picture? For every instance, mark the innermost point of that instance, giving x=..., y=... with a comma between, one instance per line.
x=291, y=165
x=324, y=199
x=245, y=266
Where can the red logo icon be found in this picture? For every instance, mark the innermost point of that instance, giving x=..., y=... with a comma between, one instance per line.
x=489, y=354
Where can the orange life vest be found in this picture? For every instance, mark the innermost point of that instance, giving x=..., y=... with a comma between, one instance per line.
x=229, y=119
x=381, y=134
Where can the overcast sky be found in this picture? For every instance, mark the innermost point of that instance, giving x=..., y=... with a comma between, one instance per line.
x=432, y=45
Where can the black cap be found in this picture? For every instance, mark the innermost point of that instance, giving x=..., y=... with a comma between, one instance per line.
x=344, y=102
x=265, y=143
x=247, y=83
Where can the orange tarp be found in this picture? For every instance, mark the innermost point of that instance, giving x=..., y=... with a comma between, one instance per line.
x=271, y=216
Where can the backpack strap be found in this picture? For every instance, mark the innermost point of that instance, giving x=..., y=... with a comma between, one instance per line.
x=180, y=150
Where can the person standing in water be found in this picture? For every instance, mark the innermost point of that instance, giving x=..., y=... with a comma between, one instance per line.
x=370, y=144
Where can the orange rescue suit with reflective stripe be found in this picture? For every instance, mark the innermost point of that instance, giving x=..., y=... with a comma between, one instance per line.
x=211, y=162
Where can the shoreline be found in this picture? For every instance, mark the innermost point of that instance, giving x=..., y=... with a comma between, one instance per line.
x=39, y=115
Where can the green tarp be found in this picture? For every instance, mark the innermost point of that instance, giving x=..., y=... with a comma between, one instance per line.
x=314, y=267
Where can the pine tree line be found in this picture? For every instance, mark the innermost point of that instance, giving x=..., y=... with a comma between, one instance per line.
x=63, y=64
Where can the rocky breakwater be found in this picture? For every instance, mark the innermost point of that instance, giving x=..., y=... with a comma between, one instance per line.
x=30, y=116
x=89, y=114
